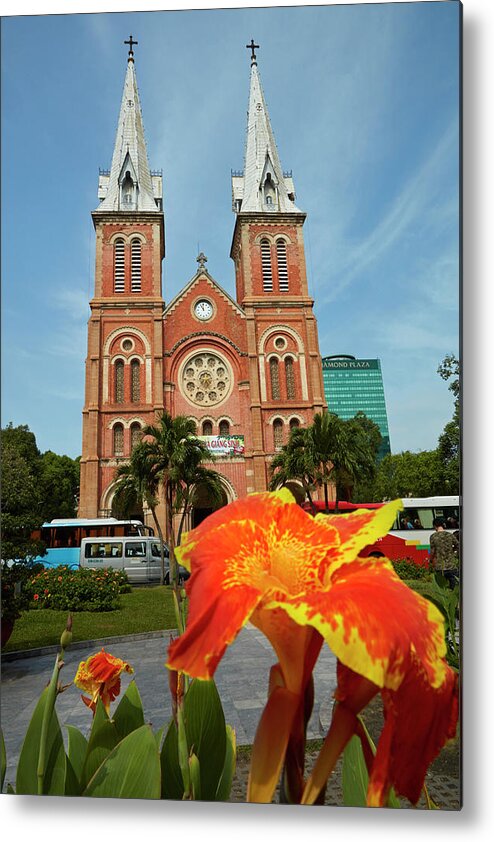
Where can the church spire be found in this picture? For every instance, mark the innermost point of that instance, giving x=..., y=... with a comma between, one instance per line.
x=262, y=187
x=129, y=185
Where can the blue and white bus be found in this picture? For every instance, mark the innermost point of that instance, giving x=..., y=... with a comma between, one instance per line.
x=63, y=536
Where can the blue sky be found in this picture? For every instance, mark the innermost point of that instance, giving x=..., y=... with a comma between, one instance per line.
x=363, y=101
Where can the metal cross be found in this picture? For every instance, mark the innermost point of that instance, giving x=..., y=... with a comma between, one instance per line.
x=202, y=259
x=252, y=47
x=131, y=42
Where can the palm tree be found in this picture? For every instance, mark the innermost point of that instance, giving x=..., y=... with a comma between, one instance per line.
x=294, y=462
x=174, y=456
x=331, y=451
x=136, y=485
x=342, y=454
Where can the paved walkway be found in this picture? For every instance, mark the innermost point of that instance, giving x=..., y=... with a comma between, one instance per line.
x=241, y=679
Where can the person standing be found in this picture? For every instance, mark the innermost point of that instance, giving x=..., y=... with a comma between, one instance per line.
x=445, y=551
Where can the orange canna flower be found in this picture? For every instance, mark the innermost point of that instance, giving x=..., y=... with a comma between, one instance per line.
x=300, y=580
x=100, y=676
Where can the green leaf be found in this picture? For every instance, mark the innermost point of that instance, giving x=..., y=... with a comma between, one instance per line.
x=159, y=736
x=195, y=777
x=129, y=714
x=354, y=775
x=226, y=780
x=77, y=751
x=3, y=760
x=131, y=770
x=206, y=733
x=56, y=765
x=172, y=785
x=355, y=778
x=72, y=784
x=183, y=752
x=102, y=740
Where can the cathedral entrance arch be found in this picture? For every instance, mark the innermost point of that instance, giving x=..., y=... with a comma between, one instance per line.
x=203, y=506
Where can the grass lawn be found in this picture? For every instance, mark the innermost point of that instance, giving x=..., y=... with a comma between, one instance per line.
x=144, y=609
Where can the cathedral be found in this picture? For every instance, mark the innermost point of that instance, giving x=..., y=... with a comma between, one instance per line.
x=245, y=369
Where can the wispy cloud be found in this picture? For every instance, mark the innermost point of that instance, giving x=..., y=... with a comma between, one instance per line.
x=418, y=197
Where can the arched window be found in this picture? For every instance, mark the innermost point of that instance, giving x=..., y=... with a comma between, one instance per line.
x=224, y=428
x=119, y=266
x=135, y=381
x=119, y=381
x=135, y=434
x=267, y=275
x=118, y=440
x=135, y=265
x=207, y=428
x=290, y=378
x=275, y=379
x=278, y=433
x=294, y=423
x=282, y=265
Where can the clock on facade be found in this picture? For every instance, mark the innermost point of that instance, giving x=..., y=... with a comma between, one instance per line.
x=203, y=309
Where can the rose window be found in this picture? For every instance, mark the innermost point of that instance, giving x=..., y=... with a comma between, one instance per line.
x=206, y=379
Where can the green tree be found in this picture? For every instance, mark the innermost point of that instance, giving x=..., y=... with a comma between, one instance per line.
x=173, y=452
x=59, y=479
x=20, y=519
x=409, y=475
x=23, y=441
x=331, y=452
x=138, y=485
x=293, y=462
x=449, y=444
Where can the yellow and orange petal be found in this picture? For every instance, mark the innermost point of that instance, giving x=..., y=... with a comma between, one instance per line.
x=100, y=676
x=258, y=549
x=419, y=720
x=374, y=623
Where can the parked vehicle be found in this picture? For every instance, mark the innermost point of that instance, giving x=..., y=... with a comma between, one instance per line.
x=409, y=536
x=63, y=536
x=139, y=557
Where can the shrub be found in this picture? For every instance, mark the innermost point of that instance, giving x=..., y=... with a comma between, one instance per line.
x=14, y=596
x=77, y=590
x=407, y=569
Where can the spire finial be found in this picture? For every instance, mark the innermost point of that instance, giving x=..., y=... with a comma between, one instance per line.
x=252, y=46
x=131, y=43
x=202, y=260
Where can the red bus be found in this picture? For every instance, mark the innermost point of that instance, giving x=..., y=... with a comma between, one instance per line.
x=409, y=536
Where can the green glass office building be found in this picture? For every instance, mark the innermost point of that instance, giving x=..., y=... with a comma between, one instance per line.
x=351, y=386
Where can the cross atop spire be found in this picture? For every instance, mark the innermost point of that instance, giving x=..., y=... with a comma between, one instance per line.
x=129, y=186
x=252, y=46
x=202, y=260
x=131, y=42
x=263, y=187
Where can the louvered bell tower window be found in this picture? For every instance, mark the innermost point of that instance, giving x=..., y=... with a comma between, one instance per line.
x=282, y=265
x=118, y=440
x=135, y=266
x=135, y=381
x=119, y=267
x=290, y=378
x=267, y=275
x=275, y=379
x=119, y=381
x=278, y=433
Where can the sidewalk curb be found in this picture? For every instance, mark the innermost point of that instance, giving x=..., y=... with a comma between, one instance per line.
x=86, y=644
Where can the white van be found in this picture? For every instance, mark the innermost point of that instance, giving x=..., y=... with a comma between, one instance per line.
x=139, y=556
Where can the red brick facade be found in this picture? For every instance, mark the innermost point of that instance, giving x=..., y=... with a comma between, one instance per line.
x=249, y=367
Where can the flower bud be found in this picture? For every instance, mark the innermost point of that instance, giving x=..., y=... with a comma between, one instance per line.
x=66, y=638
